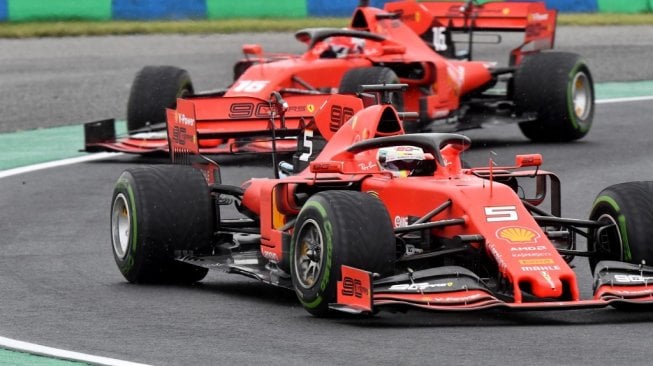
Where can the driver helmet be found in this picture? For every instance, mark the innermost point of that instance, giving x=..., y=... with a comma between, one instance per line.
x=342, y=47
x=401, y=161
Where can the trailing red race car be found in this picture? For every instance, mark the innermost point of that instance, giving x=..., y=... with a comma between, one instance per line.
x=549, y=94
x=380, y=220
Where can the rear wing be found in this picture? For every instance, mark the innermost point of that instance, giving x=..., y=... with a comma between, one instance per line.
x=431, y=18
x=198, y=122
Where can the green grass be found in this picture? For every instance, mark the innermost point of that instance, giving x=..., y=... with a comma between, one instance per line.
x=91, y=28
x=605, y=19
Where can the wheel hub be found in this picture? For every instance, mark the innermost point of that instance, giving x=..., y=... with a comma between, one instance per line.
x=120, y=226
x=582, y=96
x=308, y=254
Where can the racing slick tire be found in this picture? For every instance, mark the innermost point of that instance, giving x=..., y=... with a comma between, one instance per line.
x=154, y=89
x=558, y=87
x=155, y=211
x=354, y=78
x=336, y=228
x=629, y=206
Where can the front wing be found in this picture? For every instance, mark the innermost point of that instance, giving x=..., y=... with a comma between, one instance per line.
x=453, y=288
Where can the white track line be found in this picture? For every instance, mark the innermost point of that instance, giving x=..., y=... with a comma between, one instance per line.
x=624, y=100
x=57, y=163
x=36, y=349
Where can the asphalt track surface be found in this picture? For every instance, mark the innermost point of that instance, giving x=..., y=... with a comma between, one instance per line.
x=60, y=287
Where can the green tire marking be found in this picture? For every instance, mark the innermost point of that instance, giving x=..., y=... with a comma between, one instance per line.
x=328, y=242
x=621, y=221
x=129, y=260
x=570, y=99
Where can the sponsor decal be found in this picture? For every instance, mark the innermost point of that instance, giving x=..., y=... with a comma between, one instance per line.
x=538, y=17
x=498, y=257
x=259, y=110
x=354, y=287
x=419, y=286
x=310, y=108
x=367, y=166
x=180, y=136
x=622, y=278
x=270, y=255
x=339, y=115
x=531, y=254
x=373, y=193
x=547, y=278
x=517, y=234
x=536, y=261
x=533, y=248
x=182, y=119
x=412, y=250
x=540, y=268
x=451, y=299
x=401, y=221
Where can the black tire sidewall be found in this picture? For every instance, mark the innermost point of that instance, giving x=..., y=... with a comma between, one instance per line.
x=356, y=77
x=132, y=264
x=356, y=231
x=543, y=83
x=154, y=89
x=171, y=210
x=630, y=205
x=313, y=297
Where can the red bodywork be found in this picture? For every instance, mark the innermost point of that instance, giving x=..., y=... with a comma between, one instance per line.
x=399, y=37
x=506, y=250
x=504, y=230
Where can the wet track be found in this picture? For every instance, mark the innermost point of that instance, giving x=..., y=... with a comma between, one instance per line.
x=59, y=286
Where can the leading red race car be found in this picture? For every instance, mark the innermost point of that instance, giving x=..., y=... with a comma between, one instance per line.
x=549, y=94
x=380, y=220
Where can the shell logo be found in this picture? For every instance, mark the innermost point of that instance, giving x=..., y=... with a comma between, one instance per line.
x=518, y=234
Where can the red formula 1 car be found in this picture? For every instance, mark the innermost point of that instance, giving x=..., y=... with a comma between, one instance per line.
x=549, y=94
x=380, y=220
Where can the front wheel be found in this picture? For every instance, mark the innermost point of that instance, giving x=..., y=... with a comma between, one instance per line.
x=336, y=228
x=628, y=207
x=154, y=212
x=558, y=87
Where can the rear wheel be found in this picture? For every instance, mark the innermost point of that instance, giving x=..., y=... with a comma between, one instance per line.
x=155, y=211
x=558, y=87
x=354, y=78
x=336, y=228
x=154, y=89
x=629, y=207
